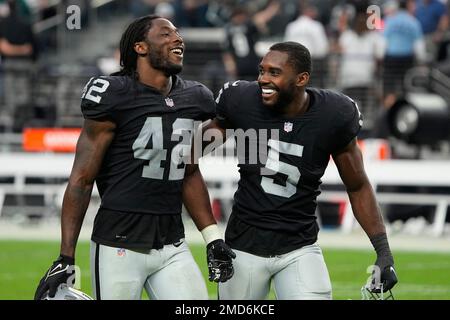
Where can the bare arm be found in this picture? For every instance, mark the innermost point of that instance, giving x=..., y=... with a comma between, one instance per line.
x=197, y=203
x=362, y=198
x=94, y=140
x=196, y=197
x=261, y=18
x=210, y=136
x=229, y=64
x=350, y=165
x=442, y=27
x=213, y=132
x=195, y=193
x=9, y=49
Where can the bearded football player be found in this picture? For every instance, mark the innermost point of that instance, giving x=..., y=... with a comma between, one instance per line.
x=135, y=137
x=273, y=228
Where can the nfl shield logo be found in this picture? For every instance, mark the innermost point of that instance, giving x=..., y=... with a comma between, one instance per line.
x=169, y=102
x=288, y=126
x=121, y=252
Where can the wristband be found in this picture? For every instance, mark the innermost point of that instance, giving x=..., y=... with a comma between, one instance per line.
x=211, y=233
x=66, y=259
x=381, y=245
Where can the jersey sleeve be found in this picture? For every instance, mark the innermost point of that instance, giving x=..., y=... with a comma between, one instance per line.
x=208, y=106
x=224, y=103
x=99, y=97
x=349, y=122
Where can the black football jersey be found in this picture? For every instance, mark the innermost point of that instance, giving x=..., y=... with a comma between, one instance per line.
x=240, y=42
x=277, y=193
x=142, y=171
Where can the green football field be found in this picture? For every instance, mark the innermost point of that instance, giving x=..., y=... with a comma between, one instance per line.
x=422, y=275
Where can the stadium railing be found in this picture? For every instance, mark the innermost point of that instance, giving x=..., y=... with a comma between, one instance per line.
x=19, y=173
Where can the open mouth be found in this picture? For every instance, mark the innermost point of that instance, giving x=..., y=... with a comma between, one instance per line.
x=178, y=51
x=268, y=92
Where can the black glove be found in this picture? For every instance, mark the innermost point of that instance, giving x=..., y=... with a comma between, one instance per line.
x=58, y=273
x=384, y=273
x=220, y=265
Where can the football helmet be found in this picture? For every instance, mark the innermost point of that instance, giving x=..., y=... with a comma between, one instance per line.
x=220, y=265
x=368, y=294
x=67, y=293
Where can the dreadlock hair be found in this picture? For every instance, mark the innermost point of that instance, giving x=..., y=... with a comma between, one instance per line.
x=135, y=32
x=299, y=56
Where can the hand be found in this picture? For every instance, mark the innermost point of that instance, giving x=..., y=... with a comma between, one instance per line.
x=220, y=265
x=384, y=273
x=60, y=272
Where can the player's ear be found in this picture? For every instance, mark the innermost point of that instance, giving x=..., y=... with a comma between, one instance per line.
x=302, y=79
x=141, y=48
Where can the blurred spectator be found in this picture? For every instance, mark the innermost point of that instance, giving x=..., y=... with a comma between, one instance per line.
x=287, y=13
x=324, y=8
x=360, y=5
x=341, y=15
x=18, y=51
x=361, y=53
x=443, y=53
x=311, y=33
x=191, y=13
x=240, y=58
x=22, y=9
x=390, y=7
x=165, y=10
x=142, y=7
x=404, y=43
x=219, y=12
x=109, y=64
x=433, y=17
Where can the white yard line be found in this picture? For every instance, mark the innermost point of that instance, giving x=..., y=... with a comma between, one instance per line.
x=327, y=238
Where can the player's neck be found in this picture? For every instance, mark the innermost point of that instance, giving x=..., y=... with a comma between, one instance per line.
x=156, y=79
x=298, y=106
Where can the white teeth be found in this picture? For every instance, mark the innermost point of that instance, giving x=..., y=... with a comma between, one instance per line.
x=268, y=91
x=177, y=51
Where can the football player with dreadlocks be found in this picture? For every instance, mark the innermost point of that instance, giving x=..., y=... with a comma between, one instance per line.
x=134, y=142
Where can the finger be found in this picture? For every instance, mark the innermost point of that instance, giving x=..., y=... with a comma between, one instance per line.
x=231, y=273
x=231, y=253
x=52, y=291
x=389, y=284
x=41, y=291
x=223, y=274
x=227, y=274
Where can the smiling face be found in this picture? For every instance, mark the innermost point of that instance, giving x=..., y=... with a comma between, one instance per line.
x=278, y=80
x=165, y=47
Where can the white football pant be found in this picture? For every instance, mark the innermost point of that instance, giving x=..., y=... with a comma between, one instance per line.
x=298, y=275
x=169, y=273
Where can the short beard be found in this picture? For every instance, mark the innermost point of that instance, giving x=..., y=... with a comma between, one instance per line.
x=285, y=97
x=156, y=60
